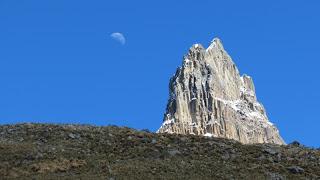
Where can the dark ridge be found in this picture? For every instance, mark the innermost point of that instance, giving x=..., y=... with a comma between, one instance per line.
x=44, y=151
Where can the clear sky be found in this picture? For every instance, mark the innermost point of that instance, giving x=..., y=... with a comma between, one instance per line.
x=59, y=64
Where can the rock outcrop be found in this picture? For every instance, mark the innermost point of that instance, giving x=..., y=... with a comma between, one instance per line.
x=209, y=97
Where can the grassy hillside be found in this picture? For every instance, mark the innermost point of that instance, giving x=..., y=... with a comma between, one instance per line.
x=44, y=151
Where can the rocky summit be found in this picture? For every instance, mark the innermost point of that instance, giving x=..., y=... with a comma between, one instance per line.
x=209, y=97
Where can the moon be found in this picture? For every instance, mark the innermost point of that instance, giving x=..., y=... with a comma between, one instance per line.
x=118, y=37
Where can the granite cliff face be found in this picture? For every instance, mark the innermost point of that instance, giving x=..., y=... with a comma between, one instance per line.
x=209, y=97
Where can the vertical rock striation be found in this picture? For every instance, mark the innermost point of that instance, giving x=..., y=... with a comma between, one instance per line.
x=209, y=97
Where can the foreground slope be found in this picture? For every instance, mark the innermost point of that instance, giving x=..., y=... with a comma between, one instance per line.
x=43, y=151
x=209, y=97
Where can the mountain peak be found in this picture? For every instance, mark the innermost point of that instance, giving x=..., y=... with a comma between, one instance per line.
x=216, y=43
x=196, y=48
x=209, y=97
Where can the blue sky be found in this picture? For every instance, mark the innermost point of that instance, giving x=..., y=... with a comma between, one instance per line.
x=59, y=64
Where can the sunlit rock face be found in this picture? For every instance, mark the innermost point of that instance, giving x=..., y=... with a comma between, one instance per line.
x=209, y=97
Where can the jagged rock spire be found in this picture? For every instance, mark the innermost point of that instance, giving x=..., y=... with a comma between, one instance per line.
x=209, y=97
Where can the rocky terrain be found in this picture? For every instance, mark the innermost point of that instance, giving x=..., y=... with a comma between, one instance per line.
x=43, y=151
x=209, y=97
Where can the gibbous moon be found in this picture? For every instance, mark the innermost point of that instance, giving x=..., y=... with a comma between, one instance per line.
x=118, y=37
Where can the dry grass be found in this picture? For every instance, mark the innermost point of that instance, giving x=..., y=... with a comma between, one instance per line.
x=43, y=151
